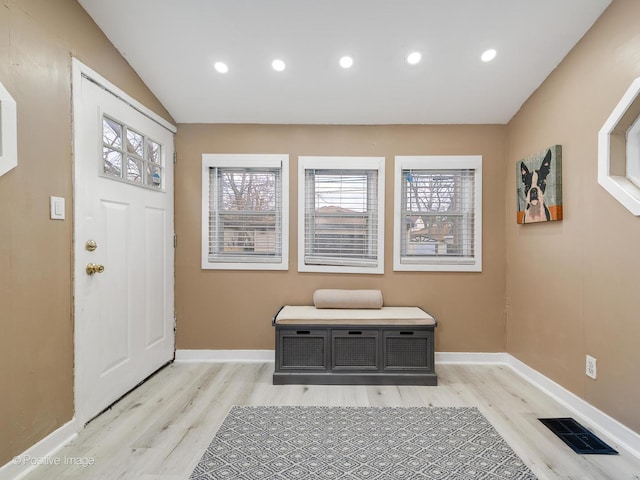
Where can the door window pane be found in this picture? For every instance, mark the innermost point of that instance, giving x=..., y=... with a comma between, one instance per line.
x=154, y=176
x=111, y=133
x=134, y=170
x=153, y=152
x=112, y=160
x=135, y=143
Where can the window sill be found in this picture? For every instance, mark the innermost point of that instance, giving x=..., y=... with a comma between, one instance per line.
x=379, y=270
x=623, y=190
x=437, y=267
x=244, y=266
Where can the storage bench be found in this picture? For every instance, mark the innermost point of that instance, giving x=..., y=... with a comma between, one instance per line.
x=386, y=346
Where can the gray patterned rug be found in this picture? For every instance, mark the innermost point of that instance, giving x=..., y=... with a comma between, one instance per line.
x=358, y=443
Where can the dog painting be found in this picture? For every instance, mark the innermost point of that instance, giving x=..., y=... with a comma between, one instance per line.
x=539, y=191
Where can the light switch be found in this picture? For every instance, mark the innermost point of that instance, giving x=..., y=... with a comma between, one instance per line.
x=56, y=205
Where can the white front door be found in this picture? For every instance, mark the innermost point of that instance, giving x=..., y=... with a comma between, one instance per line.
x=123, y=245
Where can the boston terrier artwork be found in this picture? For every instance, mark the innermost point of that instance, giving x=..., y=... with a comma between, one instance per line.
x=540, y=190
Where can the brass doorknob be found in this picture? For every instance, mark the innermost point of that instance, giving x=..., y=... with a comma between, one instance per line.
x=94, y=268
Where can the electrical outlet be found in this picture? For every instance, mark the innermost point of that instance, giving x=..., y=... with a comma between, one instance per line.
x=591, y=367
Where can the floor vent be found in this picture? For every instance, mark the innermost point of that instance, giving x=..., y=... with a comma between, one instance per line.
x=577, y=437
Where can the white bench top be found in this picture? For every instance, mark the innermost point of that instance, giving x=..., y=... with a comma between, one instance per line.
x=309, y=315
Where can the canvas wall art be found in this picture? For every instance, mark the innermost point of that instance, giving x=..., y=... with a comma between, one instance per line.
x=539, y=186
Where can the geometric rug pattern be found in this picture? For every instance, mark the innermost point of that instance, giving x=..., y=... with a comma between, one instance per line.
x=360, y=443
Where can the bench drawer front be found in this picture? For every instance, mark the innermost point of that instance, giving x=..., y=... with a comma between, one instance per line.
x=301, y=349
x=354, y=350
x=408, y=350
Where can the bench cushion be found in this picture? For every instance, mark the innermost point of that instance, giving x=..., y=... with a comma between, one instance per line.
x=356, y=299
x=308, y=315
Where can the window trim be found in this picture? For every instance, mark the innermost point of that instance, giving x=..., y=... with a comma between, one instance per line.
x=427, y=162
x=619, y=156
x=211, y=160
x=340, y=163
x=8, y=131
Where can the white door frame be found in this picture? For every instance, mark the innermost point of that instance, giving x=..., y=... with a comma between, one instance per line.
x=78, y=70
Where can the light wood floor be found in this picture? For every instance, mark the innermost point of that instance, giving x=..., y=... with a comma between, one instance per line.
x=160, y=430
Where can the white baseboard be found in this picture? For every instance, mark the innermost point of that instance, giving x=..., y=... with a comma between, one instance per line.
x=215, y=356
x=38, y=454
x=471, y=358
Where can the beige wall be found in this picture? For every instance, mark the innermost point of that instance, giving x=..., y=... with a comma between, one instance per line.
x=37, y=40
x=572, y=286
x=219, y=309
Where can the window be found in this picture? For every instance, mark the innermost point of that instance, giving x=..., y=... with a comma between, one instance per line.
x=245, y=210
x=438, y=213
x=8, y=132
x=130, y=156
x=341, y=214
x=619, y=150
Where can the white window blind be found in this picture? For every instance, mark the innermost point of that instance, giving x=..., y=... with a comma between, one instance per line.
x=439, y=211
x=342, y=215
x=245, y=215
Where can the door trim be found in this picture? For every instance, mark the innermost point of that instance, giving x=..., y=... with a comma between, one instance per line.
x=78, y=71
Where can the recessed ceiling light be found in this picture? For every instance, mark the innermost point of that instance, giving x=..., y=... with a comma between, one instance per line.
x=278, y=65
x=488, y=55
x=414, y=58
x=346, y=62
x=221, y=67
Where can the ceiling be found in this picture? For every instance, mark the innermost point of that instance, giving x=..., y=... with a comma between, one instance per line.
x=173, y=46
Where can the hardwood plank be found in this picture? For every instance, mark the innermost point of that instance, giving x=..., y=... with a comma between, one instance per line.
x=160, y=430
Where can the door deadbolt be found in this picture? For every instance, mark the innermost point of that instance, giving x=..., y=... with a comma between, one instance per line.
x=91, y=245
